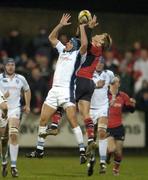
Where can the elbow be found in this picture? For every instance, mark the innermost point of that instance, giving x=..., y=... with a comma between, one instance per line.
x=84, y=47
x=50, y=38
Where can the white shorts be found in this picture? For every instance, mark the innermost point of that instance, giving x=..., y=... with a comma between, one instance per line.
x=3, y=122
x=14, y=113
x=60, y=96
x=2, y=98
x=95, y=114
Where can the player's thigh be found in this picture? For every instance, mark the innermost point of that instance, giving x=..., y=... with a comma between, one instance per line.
x=103, y=116
x=14, y=116
x=47, y=111
x=51, y=99
x=94, y=116
x=71, y=116
x=111, y=145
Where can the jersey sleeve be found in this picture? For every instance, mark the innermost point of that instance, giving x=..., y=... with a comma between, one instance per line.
x=25, y=83
x=60, y=47
x=126, y=99
x=112, y=76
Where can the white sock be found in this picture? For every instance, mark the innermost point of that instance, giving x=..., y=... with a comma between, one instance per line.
x=103, y=150
x=40, y=143
x=42, y=129
x=13, y=154
x=79, y=137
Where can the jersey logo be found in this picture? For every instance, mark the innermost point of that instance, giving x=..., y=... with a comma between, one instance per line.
x=17, y=81
x=5, y=80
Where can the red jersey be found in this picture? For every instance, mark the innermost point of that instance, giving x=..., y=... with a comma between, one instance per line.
x=115, y=110
x=89, y=66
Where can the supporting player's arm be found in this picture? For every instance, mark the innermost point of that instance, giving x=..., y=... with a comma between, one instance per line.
x=84, y=41
x=27, y=96
x=53, y=37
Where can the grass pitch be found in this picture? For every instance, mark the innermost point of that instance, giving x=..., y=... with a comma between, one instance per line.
x=68, y=168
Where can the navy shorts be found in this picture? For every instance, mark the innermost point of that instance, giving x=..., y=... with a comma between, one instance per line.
x=84, y=89
x=118, y=132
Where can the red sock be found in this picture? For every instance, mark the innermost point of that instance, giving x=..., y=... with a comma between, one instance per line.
x=55, y=119
x=117, y=161
x=89, y=128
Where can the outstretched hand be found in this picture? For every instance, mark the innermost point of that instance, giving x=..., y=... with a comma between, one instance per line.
x=64, y=20
x=93, y=23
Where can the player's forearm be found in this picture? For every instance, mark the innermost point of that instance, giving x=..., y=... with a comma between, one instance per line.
x=88, y=31
x=27, y=96
x=54, y=34
x=84, y=41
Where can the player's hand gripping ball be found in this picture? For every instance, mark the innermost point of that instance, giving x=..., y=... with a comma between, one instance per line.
x=84, y=17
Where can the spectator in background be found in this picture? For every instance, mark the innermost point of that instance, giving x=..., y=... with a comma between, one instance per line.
x=142, y=97
x=127, y=81
x=128, y=62
x=13, y=44
x=111, y=62
x=3, y=57
x=21, y=62
x=137, y=49
x=39, y=89
x=41, y=44
x=141, y=69
x=126, y=73
x=43, y=62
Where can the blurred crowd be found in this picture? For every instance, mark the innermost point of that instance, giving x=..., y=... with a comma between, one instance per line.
x=36, y=60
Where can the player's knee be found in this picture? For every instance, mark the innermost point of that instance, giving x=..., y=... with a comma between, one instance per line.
x=102, y=131
x=13, y=134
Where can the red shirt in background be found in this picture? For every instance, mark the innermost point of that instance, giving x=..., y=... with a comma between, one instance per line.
x=115, y=110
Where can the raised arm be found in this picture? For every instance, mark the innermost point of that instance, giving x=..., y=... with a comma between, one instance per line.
x=53, y=37
x=83, y=38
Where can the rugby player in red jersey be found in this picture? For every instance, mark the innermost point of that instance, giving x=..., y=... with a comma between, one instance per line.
x=118, y=101
x=84, y=83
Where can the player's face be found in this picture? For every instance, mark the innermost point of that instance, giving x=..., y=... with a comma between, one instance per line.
x=10, y=68
x=69, y=46
x=98, y=40
x=100, y=66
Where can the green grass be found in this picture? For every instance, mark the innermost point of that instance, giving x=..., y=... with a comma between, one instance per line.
x=68, y=168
